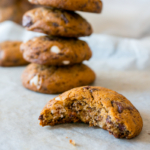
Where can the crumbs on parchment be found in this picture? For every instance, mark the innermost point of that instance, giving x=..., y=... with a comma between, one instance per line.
x=72, y=142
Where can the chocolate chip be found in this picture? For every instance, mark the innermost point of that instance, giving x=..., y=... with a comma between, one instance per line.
x=45, y=50
x=120, y=108
x=61, y=54
x=55, y=24
x=27, y=21
x=84, y=5
x=64, y=18
x=97, y=5
x=129, y=108
x=121, y=127
x=108, y=120
x=119, y=105
x=93, y=89
x=72, y=115
x=48, y=38
x=148, y=133
x=37, y=53
x=87, y=87
x=41, y=117
x=16, y=61
x=89, y=28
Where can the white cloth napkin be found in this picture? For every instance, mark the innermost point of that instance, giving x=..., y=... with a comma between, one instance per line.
x=109, y=52
x=128, y=18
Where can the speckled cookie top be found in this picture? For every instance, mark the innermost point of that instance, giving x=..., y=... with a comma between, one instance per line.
x=94, y=6
x=47, y=50
x=56, y=22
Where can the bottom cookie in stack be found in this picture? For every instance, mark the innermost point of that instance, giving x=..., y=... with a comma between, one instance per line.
x=53, y=79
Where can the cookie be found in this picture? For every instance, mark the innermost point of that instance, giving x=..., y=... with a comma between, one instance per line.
x=94, y=6
x=5, y=3
x=56, y=22
x=52, y=80
x=14, y=11
x=10, y=54
x=47, y=50
x=96, y=106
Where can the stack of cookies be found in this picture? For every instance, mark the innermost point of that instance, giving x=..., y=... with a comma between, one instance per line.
x=56, y=58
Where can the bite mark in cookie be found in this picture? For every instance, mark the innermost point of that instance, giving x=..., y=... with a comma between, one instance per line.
x=93, y=105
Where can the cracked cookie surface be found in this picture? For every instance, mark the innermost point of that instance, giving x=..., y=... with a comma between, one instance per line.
x=10, y=54
x=47, y=50
x=52, y=79
x=94, y=6
x=96, y=106
x=56, y=22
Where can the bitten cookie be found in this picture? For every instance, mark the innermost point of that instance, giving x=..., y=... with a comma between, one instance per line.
x=52, y=80
x=73, y=5
x=56, y=22
x=10, y=54
x=47, y=50
x=96, y=106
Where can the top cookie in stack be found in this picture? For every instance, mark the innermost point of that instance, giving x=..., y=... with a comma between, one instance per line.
x=94, y=6
x=60, y=50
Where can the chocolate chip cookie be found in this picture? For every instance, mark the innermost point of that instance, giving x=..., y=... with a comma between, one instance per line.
x=5, y=3
x=13, y=10
x=56, y=22
x=52, y=79
x=47, y=50
x=10, y=54
x=73, y=5
x=96, y=106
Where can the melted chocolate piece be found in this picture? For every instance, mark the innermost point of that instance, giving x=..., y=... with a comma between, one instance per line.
x=87, y=87
x=121, y=107
x=108, y=120
x=55, y=24
x=64, y=18
x=41, y=117
x=27, y=21
x=121, y=127
x=94, y=89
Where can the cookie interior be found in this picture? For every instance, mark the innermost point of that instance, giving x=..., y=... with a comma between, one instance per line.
x=66, y=110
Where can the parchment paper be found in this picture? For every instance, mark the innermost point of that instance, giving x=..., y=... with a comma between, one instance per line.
x=120, y=64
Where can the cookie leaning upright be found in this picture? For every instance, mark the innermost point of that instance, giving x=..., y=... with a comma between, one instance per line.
x=59, y=54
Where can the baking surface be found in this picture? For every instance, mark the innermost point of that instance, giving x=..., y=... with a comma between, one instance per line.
x=121, y=64
x=20, y=108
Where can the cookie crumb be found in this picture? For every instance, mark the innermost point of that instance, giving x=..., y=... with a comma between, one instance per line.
x=72, y=142
x=66, y=137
